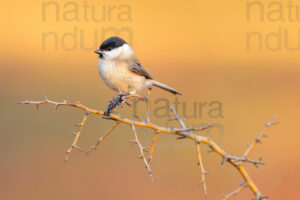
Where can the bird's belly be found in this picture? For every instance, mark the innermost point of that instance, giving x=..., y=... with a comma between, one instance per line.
x=120, y=79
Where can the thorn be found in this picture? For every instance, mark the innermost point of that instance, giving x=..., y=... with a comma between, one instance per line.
x=138, y=117
x=69, y=150
x=223, y=162
x=66, y=159
x=78, y=148
x=206, y=127
x=272, y=122
x=56, y=106
x=89, y=151
x=133, y=141
x=172, y=118
x=258, y=140
x=209, y=151
x=67, y=155
x=128, y=104
x=145, y=149
x=205, y=193
x=74, y=133
x=263, y=196
x=243, y=184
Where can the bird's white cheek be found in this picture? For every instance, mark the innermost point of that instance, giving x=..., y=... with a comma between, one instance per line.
x=100, y=64
x=113, y=53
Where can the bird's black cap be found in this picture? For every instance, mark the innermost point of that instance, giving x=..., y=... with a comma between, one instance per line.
x=112, y=43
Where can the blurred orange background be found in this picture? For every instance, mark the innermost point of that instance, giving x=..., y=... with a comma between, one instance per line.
x=201, y=48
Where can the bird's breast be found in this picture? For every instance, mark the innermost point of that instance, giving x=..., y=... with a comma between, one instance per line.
x=117, y=76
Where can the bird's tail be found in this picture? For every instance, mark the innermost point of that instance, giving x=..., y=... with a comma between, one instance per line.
x=163, y=86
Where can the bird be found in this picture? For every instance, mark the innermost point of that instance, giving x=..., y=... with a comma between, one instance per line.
x=121, y=70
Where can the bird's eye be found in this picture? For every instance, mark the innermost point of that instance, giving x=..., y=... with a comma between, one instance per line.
x=109, y=49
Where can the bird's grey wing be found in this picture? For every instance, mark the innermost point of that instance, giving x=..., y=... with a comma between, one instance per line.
x=138, y=69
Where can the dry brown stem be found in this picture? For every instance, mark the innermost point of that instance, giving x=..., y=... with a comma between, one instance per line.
x=142, y=149
x=183, y=132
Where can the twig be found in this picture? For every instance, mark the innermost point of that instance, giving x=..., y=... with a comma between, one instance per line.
x=176, y=116
x=200, y=128
x=258, y=138
x=236, y=162
x=203, y=172
x=94, y=147
x=255, y=162
x=152, y=146
x=142, y=156
x=77, y=135
x=228, y=196
x=139, y=118
x=182, y=124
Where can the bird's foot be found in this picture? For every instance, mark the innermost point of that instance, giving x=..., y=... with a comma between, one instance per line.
x=114, y=103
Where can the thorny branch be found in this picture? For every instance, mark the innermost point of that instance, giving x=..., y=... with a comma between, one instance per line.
x=258, y=138
x=183, y=132
x=228, y=196
x=142, y=149
x=94, y=147
x=152, y=147
x=77, y=135
x=200, y=162
x=203, y=172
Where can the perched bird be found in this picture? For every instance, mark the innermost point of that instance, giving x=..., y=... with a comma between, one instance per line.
x=121, y=70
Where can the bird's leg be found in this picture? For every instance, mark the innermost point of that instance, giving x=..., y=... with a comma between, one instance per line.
x=134, y=98
x=115, y=102
x=147, y=99
x=126, y=97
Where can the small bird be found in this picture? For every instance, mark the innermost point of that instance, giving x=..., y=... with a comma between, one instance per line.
x=121, y=70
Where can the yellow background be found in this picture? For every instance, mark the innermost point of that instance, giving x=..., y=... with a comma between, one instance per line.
x=197, y=47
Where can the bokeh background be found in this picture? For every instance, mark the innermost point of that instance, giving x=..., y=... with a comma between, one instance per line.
x=198, y=47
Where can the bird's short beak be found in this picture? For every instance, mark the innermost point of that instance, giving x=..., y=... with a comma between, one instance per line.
x=98, y=51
